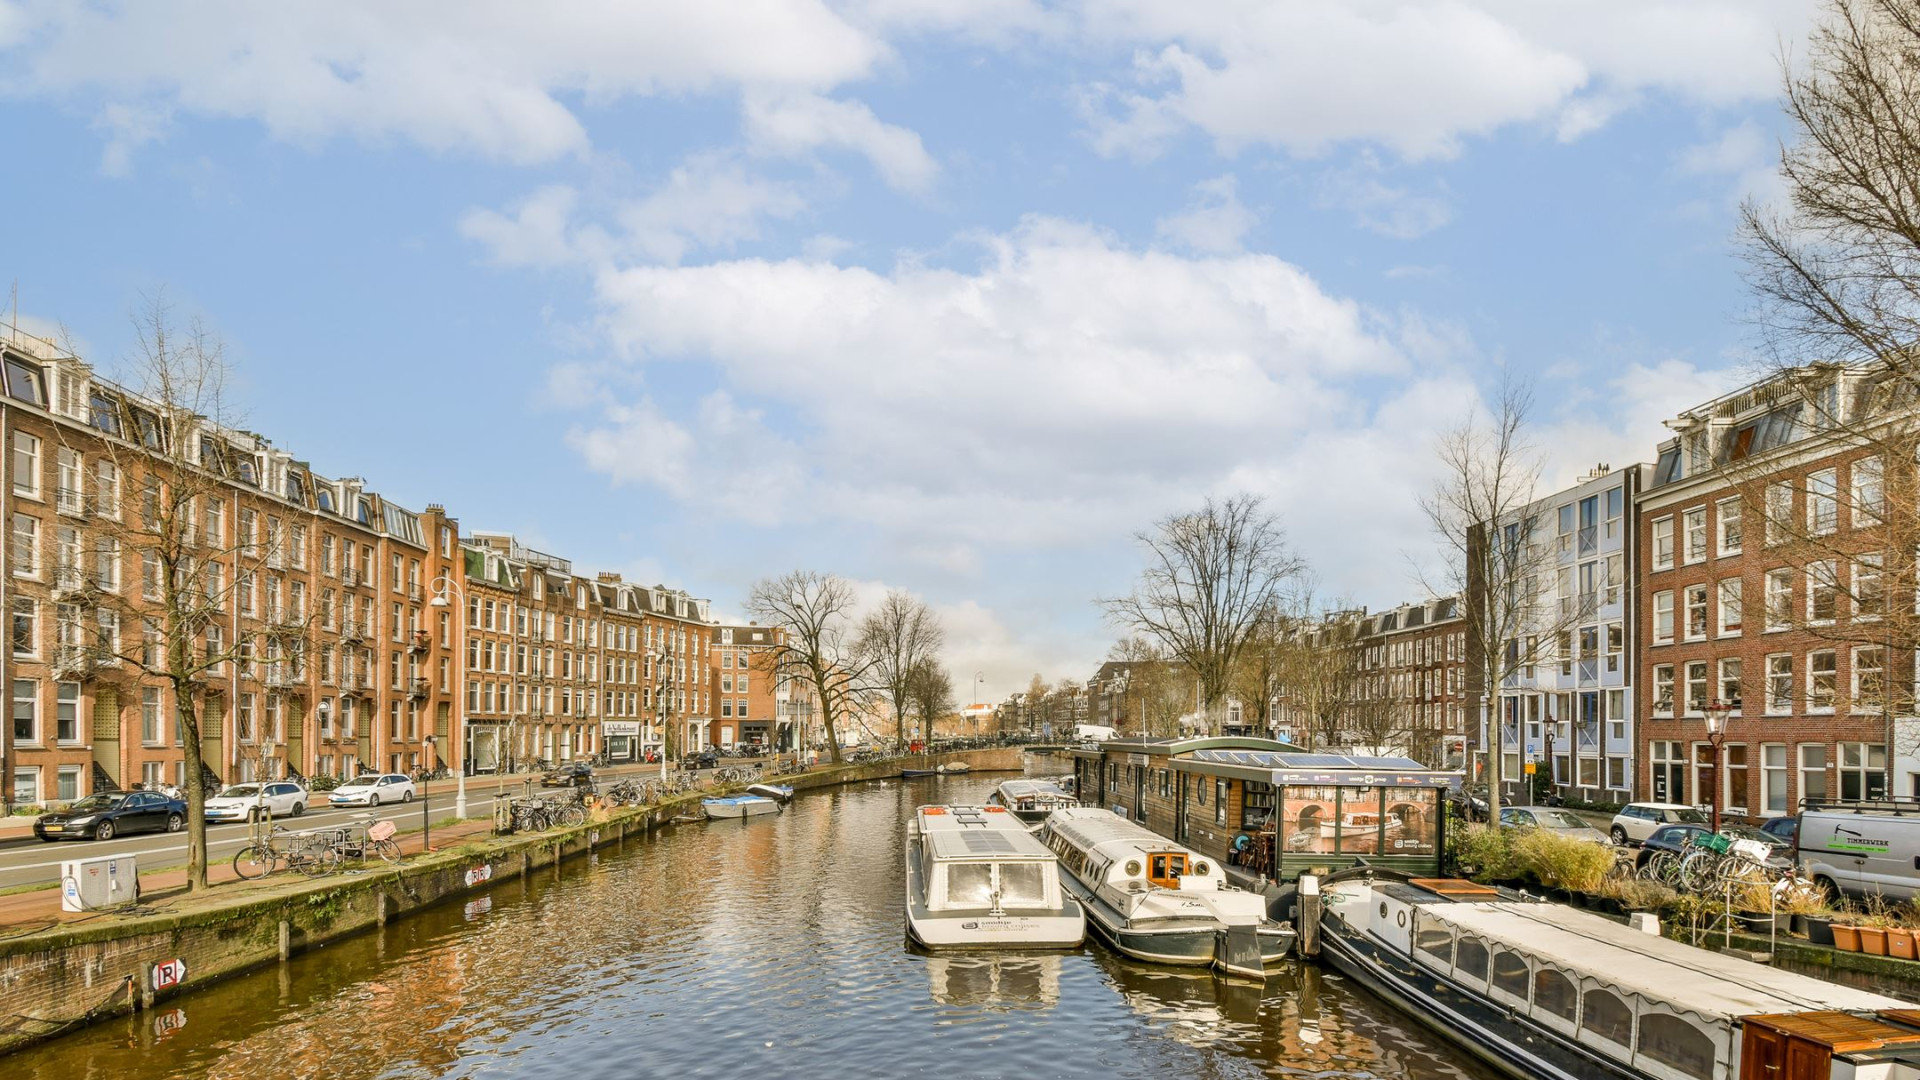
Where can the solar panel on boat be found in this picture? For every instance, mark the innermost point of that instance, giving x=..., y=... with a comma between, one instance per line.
x=988, y=843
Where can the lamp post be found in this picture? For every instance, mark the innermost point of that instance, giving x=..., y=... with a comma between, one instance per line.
x=978, y=678
x=441, y=586
x=1717, y=714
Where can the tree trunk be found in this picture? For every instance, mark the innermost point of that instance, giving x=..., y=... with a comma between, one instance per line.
x=196, y=788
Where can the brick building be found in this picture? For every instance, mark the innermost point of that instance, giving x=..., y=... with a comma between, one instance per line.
x=742, y=674
x=1733, y=614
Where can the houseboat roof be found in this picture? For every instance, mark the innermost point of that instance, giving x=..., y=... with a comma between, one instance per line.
x=1090, y=827
x=1018, y=788
x=1677, y=976
x=1175, y=747
x=978, y=832
x=1295, y=766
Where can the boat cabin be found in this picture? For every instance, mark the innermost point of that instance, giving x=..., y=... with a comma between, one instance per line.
x=982, y=857
x=1270, y=808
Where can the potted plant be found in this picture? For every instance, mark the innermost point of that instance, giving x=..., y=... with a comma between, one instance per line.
x=1846, y=937
x=1901, y=944
x=1808, y=913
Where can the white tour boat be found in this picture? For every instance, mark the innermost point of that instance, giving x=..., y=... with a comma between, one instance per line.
x=1154, y=900
x=977, y=878
x=738, y=806
x=1542, y=991
x=1032, y=800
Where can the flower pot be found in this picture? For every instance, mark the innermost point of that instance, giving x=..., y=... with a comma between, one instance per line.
x=1901, y=943
x=1846, y=938
x=1759, y=922
x=1873, y=940
x=1818, y=928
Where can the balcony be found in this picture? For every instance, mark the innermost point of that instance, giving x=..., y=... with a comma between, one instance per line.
x=351, y=630
x=419, y=643
x=349, y=577
x=72, y=502
x=360, y=681
x=72, y=585
x=280, y=678
x=413, y=592
x=77, y=662
x=418, y=689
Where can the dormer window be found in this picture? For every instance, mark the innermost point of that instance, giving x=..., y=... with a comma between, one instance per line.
x=296, y=487
x=324, y=496
x=147, y=426
x=245, y=469
x=363, y=511
x=26, y=381
x=103, y=413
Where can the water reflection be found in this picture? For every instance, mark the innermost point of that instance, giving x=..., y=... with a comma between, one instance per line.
x=772, y=947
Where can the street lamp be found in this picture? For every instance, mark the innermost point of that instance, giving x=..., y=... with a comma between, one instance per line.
x=978, y=678
x=441, y=586
x=1718, y=713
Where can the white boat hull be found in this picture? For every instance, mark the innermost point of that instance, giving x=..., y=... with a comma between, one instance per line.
x=727, y=809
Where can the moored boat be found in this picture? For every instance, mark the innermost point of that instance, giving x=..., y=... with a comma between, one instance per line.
x=976, y=878
x=911, y=773
x=954, y=768
x=776, y=792
x=1153, y=900
x=1032, y=800
x=738, y=806
x=1542, y=991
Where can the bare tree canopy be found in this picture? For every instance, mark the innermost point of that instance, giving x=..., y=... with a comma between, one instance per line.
x=1155, y=692
x=1211, y=574
x=816, y=610
x=930, y=693
x=896, y=638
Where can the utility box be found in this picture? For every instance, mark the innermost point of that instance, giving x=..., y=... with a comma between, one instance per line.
x=89, y=884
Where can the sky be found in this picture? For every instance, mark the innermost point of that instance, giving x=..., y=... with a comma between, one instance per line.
x=953, y=296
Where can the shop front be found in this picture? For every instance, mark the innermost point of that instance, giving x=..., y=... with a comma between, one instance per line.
x=621, y=739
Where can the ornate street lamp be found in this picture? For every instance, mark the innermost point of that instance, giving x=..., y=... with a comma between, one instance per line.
x=1718, y=712
x=460, y=732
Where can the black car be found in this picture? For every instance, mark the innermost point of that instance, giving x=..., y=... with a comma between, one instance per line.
x=1673, y=838
x=110, y=814
x=701, y=759
x=573, y=773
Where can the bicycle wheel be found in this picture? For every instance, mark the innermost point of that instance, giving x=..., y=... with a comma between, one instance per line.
x=1697, y=871
x=388, y=849
x=315, y=860
x=1658, y=867
x=571, y=815
x=254, y=861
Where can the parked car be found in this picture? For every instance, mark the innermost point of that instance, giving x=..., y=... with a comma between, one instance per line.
x=700, y=759
x=1471, y=801
x=112, y=813
x=1783, y=828
x=1674, y=838
x=249, y=802
x=1857, y=850
x=1637, y=821
x=569, y=774
x=1554, y=820
x=373, y=789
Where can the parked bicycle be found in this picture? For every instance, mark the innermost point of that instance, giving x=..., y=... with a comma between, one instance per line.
x=308, y=852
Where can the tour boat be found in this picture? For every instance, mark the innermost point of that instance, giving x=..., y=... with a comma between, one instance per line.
x=977, y=879
x=777, y=792
x=738, y=806
x=1151, y=899
x=1032, y=800
x=1542, y=991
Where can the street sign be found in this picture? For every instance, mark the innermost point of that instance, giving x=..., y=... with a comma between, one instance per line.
x=169, y=974
x=1530, y=768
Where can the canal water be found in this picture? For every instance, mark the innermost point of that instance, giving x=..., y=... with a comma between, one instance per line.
x=767, y=948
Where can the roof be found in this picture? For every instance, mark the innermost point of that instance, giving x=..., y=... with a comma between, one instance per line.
x=1170, y=747
x=1686, y=979
x=1017, y=788
x=1089, y=827
x=1300, y=767
x=961, y=832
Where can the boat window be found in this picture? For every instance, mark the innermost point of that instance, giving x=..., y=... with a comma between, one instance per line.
x=1510, y=973
x=1470, y=959
x=1435, y=941
x=1166, y=869
x=1676, y=1044
x=1554, y=993
x=969, y=884
x=1022, y=884
x=1607, y=1017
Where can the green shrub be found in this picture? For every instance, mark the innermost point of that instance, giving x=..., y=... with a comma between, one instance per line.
x=1481, y=852
x=1561, y=862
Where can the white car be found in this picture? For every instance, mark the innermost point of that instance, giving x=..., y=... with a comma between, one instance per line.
x=372, y=789
x=1637, y=821
x=246, y=802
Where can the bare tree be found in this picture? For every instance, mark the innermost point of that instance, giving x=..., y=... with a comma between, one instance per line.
x=1256, y=678
x=1210, y=575
x=1321, y=676
x=168, y=447
x=894, y=639
x=930, y=691
x=1483, y=512
x=1157, y=691
x=816, y=609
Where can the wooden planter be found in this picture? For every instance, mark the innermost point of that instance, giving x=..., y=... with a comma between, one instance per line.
x=1846, y=938
x=1901, y=943
x=1873, y=940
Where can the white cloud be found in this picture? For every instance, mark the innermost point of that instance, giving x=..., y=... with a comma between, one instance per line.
x=1213, y=223
x=799, y=123
x=494, y=78
x=1388, y=209
x=1745, y=153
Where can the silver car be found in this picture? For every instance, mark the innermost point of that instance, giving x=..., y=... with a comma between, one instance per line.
x=1554, y=820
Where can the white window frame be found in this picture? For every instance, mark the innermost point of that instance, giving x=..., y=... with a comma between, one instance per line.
x=1663, y=608
x=1694, y=535
x=1727, y=512
x=1663, y=533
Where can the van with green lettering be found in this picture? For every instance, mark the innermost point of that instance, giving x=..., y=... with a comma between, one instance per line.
x=1861, y=848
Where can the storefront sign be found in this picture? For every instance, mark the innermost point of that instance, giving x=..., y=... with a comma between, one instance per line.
x=620, y=727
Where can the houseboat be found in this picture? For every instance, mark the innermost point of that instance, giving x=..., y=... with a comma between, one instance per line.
x=1032, y=800
x=1542, y=991
x=977, y=879
x=1270, y=810
x=1151, y=899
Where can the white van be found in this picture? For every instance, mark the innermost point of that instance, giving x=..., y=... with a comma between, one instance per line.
x=1859, y=848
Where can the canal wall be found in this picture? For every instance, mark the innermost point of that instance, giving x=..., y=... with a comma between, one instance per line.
x=61, y=979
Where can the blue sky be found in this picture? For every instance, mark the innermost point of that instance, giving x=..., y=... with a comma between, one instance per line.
x=949, y=296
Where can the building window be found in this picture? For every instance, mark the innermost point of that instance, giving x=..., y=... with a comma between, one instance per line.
x=1869, y=591
x=1663, y=618
x=26, y=546
x=1869, y=679
x=1780, y=682
x=1663, y=543
x=1823, y=591
x=26, y=711
x=1695, y=522
x=26, y=465
x=1663, y=690
x=1779, y=599
x=67, y=783
x=151, y=731
x=1726, y=514
x=1823, y=502
x=1731, y=590
x=1696, y=601
x=1863, y=771
x=1813, y=771
x=1869, y=492
x=1730, y=670
x=26, y=626
x=66, y=712
x=1779, y=511
x=1822, y=680
x=1734, y=756
x=1696, y=688
x=1773, y=778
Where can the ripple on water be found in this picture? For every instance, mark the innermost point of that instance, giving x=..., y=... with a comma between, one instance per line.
x=766, y=948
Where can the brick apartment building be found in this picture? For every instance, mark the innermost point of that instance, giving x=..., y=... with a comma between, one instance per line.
x=1734, y=612
x=742, y=673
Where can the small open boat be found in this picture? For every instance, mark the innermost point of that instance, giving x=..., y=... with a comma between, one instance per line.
x=776, y=792
x=953, y=768
x=738, y=806
x=910, y=773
